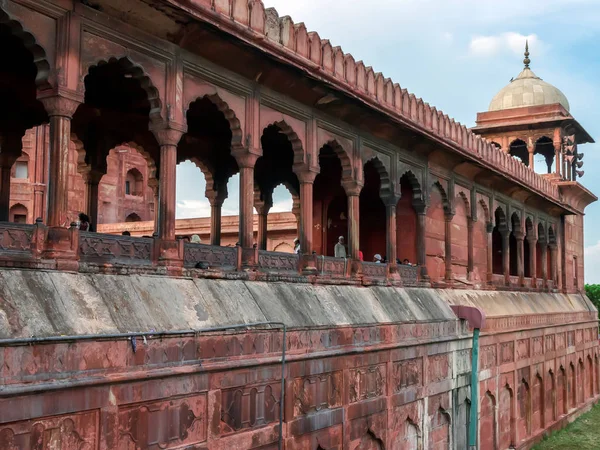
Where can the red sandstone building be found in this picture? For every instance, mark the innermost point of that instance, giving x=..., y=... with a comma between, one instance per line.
x=117, y=342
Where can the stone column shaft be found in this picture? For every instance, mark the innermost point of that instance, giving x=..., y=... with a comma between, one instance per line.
x=215, y=223
x=390, y=231
x=263, y=217
x=520, y=257
x=532, y=262
x=353, y=225
x=306, y=215
x=246, y=161
x=554, y=265
x=490, y=253
x=470, y=263
x=448, y=247
x=506, y=256
x=421, y=257
x=544, y=252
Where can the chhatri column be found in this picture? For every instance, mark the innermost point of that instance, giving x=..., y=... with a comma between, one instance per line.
x=531, y=151
x=532, y=240
x=448, y=277
x=520, y=237
x=470, y=263
x=92, y=183
x=60, y=110
x=168, y=139
x=489, y=228
x=506, y=255
x=306, y=178
x=216, y=205
x=154, y=185
x=421, y=210
x=262, y=207
x=246, y=161
x=353, y=189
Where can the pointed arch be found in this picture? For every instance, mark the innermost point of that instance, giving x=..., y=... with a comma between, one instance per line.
x=234, y=123
x=500, y=218
x=40, y=59
x=289, y=132
x=344, y=157
x=445, y=199
x=384, y=176
x=486, y=211
x=135, y=71
x=461, y=196
x=414, y=184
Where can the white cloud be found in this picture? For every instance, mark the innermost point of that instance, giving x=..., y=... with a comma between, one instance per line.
x=510, y=41
x=592, y=264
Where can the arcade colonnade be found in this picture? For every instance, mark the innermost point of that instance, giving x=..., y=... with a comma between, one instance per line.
x=342, y=183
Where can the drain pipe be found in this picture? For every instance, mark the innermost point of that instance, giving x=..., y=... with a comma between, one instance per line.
x=476, y=319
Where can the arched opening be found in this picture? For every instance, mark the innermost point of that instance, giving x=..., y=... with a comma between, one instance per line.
x=562, y=391
x=500, y=226
x=215, y=193
x=134, y=183
x=372, y=215
x=513, y=253
x=435, y=234
x=541, y=242
x=480, y=242
x=590, y=375
x=118, y=106
x=274, y=168
x=282, y=220
x=460, y=237
x=488, y=421
x=543, y=158
x=551, y=243
x=580, y=381
x=410, y=436
x=518, y=150
x=524, y=409
x=406, y=219
x=439, y=434
x=538, y=406
x=133, y=217
x=18, y=213
x=23, y=69
x=572, y=386
x=330, y=203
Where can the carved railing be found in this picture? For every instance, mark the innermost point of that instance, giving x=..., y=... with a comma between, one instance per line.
x=328, y=265
x=110, y=249
x=408, y=274
x=374, y=270
x=16, y=239
x=277, y=261
x=498, y=280
x=514, y=280
x=211, y=255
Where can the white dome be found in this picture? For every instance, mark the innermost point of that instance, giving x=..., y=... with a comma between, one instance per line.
x=527, y=90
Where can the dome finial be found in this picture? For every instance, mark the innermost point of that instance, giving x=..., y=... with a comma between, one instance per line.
x=526, y=61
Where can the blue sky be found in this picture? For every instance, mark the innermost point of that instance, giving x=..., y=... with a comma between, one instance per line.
x=456, y=54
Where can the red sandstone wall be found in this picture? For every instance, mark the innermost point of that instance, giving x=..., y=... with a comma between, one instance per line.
x=435, y=236
x=480, y=245
x=574, y=253
x=460, y=233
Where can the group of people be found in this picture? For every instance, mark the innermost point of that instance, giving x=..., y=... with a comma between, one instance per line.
x=339, y=251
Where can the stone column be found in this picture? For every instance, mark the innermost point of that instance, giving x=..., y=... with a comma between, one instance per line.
x=246, y=161
x=168, y=140
x=544, y=252
x=215, y=221
x=305, y=230
x=506, y=256
x=532, y=260
x=154, y=185
x=557, y=159
x=41, y=174
x=60, y=110
x=554, y=265
x=531, y=151
x=421, y=210
x=470, y=264
x=448, y=277
x=353, y=193
x=391, y=203
x=92, y=182
x=520, y=237
x=262, y=207
x=489, y=228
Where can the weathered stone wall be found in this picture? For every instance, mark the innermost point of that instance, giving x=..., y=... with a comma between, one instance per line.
x=377, y=367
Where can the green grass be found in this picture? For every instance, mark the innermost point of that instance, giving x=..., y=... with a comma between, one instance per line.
x=583, y=434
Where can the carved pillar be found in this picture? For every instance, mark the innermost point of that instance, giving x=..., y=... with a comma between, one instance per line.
x=506, y=256
x=216, y=205
x=305, y=230
x=489, y=228
x=262, y=206
x=154, y=185
x=246, y=161
x=554, y=265
x=531, y=150
x=470, y=263
x=532, y=260
x=60, y=110
x=520, y=237
x=92, y=181
x=448, y=247
x=391, y=203
x=41, y=174
x=544, y=255
x=421, y=210
x=353, y=189
x=558, y=163
x=168, y=140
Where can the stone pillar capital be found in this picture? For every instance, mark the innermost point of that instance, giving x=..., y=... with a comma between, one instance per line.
x=420, y=207
x=92, y=176
x=245, y=158
x=448, y=216
x=306, y=174
x=61, y=105
x=168, y=136
x=352, y=188
x=519, y=235
x=391, y=200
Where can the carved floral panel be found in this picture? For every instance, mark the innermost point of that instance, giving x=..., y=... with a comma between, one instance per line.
x=507, y=350
x=73, y=432
x=488, y=356
x=407, y=373
x=163, y=424
x=105, y=247
x=522, y=349
x=248, y=407
x=366, y=382
x=317, y=392
x=439, y=367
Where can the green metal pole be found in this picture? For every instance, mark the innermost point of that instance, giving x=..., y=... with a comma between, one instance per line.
x=473, y=422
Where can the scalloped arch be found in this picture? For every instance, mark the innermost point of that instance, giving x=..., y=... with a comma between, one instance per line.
x=501, y=222
x=486, y=210
x=30, y=43
x=138, y=73
x=344, y=157
x=384, y=176
x=461, y=196
x=414, y=184
x=289, y=132
x=230, y=116
x=445, y=200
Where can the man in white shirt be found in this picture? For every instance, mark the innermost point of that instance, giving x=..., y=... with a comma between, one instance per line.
x=339, y=251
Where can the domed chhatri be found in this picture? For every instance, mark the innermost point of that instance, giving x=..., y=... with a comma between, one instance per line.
x=527, y=90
